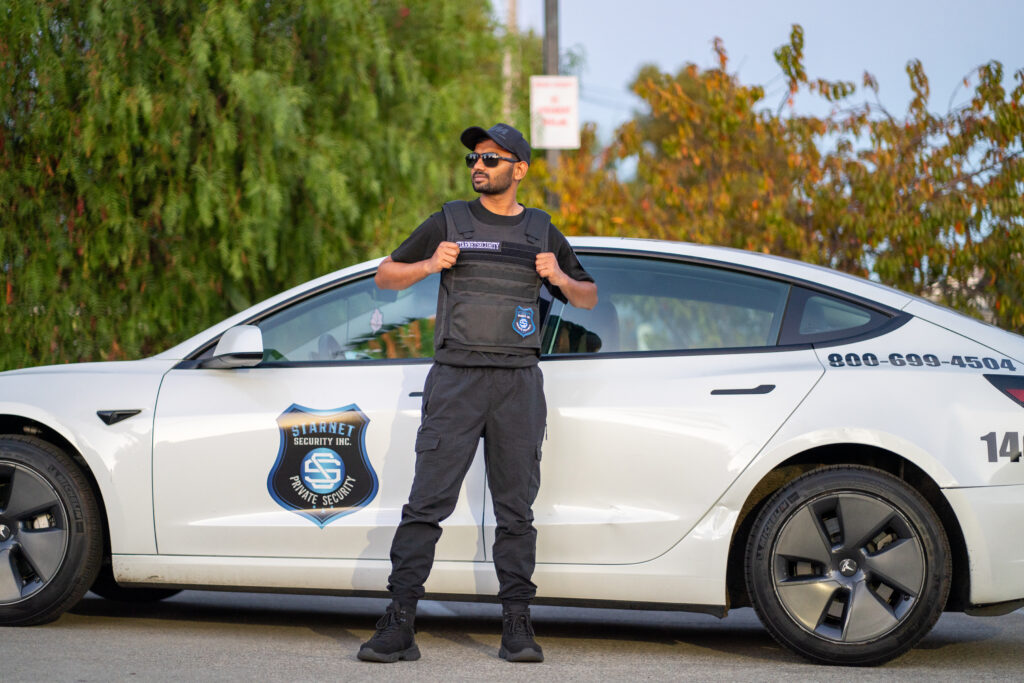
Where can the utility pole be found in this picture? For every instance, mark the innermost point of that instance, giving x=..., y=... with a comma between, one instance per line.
x=551, y=61
x=551, y=69
x=507, y=68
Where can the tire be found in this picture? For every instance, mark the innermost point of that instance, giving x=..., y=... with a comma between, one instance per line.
x=51, y=533
x=848, y=565
x=106, y=587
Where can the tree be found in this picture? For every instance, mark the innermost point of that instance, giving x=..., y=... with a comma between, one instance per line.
x=928, y=203
x=166, y=163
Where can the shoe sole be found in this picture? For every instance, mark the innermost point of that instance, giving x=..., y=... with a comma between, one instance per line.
x=527, y=654
x=410, y=655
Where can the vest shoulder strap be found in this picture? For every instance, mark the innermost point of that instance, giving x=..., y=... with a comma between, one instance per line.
x=537, y=224
x=458, y=221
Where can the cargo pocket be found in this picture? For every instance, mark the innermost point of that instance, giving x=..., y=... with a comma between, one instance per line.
x=427, y=440
x=534, y=487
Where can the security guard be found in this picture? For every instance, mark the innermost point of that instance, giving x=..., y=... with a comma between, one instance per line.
x=493, y=255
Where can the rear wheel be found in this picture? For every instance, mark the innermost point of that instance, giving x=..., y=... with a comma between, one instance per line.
x=51, y=537
x=848, y=565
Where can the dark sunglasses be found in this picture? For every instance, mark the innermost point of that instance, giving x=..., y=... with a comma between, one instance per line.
x=490, y=159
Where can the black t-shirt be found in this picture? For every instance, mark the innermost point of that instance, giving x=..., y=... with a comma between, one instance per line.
x=422, y=244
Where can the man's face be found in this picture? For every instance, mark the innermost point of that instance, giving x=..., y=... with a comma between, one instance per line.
x=492, y=180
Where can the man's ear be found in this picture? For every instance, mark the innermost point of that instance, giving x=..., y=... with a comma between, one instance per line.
x=520, y=169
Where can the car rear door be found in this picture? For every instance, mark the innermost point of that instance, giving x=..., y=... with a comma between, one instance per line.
x=657, y=400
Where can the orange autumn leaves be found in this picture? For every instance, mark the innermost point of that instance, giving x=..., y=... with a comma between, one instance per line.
x=927, y=202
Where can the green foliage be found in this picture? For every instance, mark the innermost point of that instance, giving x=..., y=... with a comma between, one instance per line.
x=929, y=203
x=164, y=164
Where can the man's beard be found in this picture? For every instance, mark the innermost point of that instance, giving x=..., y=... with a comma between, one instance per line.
x=494, y=185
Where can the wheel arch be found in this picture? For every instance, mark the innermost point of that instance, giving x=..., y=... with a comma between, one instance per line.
x=21, y=425
x=847, y=454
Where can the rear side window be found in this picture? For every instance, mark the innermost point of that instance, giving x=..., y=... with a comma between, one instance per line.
x=823, y=314
x=655, y=305
x=814, y=317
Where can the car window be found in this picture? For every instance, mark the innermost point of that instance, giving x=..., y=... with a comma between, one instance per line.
x=815, y=317
x=825, y=314
x=356, y=321
x=656, y=305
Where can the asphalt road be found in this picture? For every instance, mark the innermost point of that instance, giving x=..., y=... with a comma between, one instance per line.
x=198, y=636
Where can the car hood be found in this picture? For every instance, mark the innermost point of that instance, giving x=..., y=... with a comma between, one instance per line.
x=125, y=367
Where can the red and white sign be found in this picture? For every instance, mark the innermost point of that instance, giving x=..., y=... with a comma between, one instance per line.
x=554, y=112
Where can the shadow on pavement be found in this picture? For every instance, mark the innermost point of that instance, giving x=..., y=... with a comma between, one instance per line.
x=477, y=627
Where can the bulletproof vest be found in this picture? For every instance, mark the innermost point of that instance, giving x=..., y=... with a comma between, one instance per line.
x=488, y=301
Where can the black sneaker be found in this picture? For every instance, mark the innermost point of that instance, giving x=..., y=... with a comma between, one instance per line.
x=394, y=637
x=517, y=643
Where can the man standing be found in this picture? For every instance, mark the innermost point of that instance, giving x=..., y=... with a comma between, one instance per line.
x=493, y=255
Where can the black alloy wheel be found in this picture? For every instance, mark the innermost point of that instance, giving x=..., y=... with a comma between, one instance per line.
x=848, y=565
x=51, y=537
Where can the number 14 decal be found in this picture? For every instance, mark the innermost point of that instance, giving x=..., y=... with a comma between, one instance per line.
x=1009, y=448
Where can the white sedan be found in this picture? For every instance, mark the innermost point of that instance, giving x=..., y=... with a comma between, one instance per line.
x=724, y=429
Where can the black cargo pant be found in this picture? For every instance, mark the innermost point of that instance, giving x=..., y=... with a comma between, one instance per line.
x=506, y=406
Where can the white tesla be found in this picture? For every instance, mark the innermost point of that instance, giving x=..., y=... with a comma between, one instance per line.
x=725, y=429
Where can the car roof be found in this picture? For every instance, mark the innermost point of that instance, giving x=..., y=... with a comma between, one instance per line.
x=766, y=264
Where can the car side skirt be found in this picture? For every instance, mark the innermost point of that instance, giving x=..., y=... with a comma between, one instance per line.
x=639, y=586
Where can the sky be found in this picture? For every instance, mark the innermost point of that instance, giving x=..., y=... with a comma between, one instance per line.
x=841, y=41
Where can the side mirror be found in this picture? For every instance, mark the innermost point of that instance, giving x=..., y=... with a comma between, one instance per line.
x=239, y=347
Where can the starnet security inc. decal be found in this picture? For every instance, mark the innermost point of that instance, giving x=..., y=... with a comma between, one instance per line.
x=322, y=471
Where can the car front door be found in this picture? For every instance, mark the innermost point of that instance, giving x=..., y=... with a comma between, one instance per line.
x=657, y=400
x=310, y=453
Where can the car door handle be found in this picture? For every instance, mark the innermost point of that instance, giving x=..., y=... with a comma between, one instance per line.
x=761, y=389
x=415, y=393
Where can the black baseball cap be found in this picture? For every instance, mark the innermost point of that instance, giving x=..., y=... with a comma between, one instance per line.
x=503, y=134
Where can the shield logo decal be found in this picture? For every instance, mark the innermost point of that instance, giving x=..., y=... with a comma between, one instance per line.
x=523, y=323
x=322, y=471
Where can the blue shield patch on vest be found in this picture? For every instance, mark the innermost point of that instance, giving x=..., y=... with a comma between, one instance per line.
x=322, y=471
x=523, y=322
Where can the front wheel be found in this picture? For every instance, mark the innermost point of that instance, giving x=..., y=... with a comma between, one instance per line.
x=848, y=565
x=51, y=537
